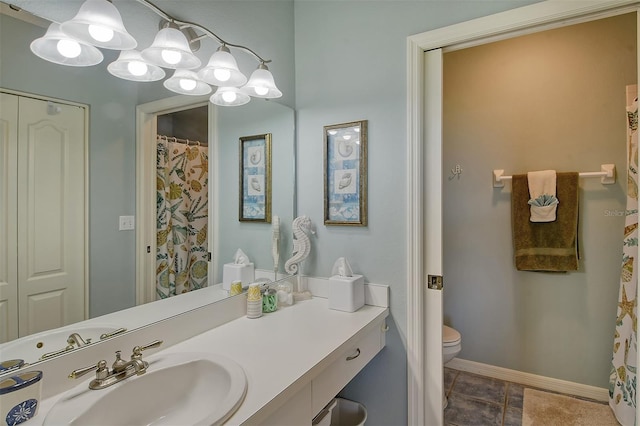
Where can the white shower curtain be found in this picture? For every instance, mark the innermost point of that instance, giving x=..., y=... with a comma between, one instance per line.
x=182, y=216
x=622, y=382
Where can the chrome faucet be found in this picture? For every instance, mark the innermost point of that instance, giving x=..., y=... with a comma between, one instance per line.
x=120, y=369
x=73, y=341
x=120, y=365
x=78, y=340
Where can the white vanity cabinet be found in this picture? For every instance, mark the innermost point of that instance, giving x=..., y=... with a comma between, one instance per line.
x=344, y=364
x=295, y=360
x=295, y=411
x=349, y=363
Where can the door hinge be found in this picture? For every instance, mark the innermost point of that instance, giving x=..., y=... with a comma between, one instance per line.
x=148, y=249
x=208, y=256
x=434, y=282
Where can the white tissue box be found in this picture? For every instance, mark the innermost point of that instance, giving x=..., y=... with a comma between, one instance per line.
x=346, y=293
x=236, y=272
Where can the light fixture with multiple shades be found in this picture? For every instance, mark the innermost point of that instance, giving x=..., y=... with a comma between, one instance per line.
x=98, y=24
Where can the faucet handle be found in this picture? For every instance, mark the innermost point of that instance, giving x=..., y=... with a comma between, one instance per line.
x=100, y=368
x=58, y=352
x=137, y=350
x=113, y=333
x=119, y=364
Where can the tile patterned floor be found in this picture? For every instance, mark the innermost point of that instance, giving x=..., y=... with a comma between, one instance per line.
x=481, y=401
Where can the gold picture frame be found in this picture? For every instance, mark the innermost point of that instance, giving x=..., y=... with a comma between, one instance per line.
x=255, y=178
x=345, y=174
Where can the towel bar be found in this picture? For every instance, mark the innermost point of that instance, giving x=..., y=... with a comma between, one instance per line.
x=607, y=175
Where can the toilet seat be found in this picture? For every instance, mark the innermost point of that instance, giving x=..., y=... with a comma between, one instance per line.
x=450, y=336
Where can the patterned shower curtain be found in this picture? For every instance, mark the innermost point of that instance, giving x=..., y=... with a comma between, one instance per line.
x=182, y=214
x=622, y=382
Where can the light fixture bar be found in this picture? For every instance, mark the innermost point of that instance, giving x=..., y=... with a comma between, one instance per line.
x=173, y=48
x=207, y=32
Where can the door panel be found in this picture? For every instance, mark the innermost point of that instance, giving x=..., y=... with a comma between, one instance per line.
x=46, y=186
x=51, y=176
x=44, y=309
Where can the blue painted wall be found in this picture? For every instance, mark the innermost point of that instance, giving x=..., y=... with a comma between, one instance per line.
x=351, y=65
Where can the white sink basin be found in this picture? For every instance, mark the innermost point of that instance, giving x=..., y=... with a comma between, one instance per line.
x=177, y=389
x=31, y=348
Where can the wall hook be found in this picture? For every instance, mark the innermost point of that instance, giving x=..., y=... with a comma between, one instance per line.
x=456, y=171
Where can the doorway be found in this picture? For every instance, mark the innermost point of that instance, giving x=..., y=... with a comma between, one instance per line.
x=191, y=117
x=549, y=100
x=182, y=206
x=424, y=91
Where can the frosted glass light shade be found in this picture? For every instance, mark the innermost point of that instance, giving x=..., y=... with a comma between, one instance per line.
x=261, y=84
x=170, y=49
x=131, y=66
x=57, y=47
x=187, y=82
x=222, y=69
x=99, y=23
x=229, y=96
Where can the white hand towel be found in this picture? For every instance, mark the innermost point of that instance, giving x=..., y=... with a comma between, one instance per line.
x=542, y=183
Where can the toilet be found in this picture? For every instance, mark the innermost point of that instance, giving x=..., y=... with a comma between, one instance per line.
x=451, y=347
x=451, y=343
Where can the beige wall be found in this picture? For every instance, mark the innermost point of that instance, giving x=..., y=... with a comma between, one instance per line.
x=553, y=100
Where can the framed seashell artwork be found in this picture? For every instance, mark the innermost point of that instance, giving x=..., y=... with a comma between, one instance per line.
x=255, y=178
x=345, y=174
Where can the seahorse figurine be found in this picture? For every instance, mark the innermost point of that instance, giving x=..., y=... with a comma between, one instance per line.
x=302, y=226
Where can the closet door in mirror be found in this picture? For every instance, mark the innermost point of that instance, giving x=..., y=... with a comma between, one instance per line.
x=51, y=215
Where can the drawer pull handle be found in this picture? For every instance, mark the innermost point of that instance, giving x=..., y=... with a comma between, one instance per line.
x=352, y=357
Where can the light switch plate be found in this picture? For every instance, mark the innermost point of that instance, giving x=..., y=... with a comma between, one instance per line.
x=127, y=223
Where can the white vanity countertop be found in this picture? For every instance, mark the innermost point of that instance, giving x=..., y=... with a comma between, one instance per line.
x=280, y=352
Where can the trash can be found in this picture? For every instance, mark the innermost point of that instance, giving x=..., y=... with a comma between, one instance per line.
x=341, y=412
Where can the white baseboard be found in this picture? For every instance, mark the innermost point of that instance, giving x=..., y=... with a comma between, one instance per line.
x=528, y=379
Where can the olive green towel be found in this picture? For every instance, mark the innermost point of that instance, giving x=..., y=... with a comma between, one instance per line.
x=546, y=246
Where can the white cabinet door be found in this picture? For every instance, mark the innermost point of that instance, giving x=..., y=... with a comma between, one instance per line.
x=8, y=217
x=42, y=271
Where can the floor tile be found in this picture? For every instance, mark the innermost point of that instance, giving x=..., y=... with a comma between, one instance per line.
x=449, y=377
x=513, y=416
x=515, y=395
x=480, y=387
x=476, y=400
x=465, y=411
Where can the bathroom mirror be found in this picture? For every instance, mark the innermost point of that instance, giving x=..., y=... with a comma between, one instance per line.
x=112, y=167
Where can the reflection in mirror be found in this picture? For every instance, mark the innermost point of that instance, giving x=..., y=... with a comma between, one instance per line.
x=182, y=201
x=109, y=290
